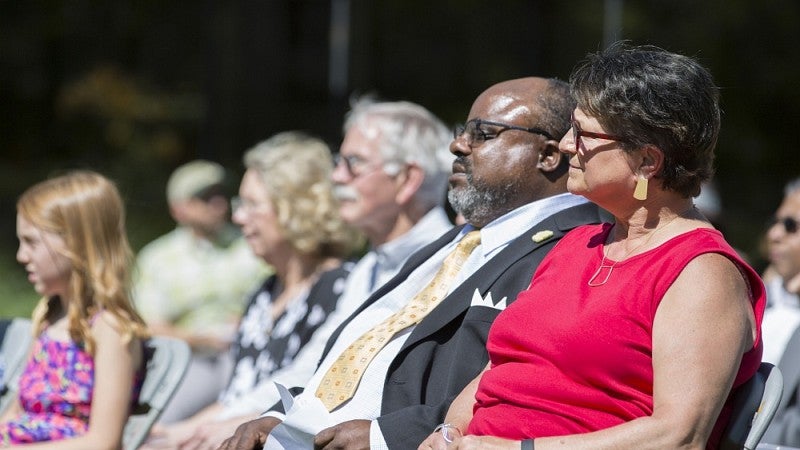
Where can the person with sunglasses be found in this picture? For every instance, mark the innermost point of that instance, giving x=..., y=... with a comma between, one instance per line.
x=632, y=333
x=782, y=277
x=782, y=317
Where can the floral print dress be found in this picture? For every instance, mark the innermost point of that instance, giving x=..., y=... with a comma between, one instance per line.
x=55, y=392
x=263, y=346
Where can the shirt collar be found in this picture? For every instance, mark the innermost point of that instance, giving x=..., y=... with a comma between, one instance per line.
x=393, y=253
x=498, y=233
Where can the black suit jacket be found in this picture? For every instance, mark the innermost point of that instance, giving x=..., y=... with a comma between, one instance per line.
x=447, y=349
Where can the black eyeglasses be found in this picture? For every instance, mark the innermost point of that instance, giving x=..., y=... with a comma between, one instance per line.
x=789, y=224
x=476, y=134
x=577, y=133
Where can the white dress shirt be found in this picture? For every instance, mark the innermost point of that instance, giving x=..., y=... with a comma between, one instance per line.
x=781, y=319
x=366, y=402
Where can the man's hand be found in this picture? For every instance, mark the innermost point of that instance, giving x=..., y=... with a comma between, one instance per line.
x=350, y=435
x=251, y=435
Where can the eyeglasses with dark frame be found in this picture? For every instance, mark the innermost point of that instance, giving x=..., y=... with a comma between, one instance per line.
x=477, y=135
x=790, y=224
x=577, y=133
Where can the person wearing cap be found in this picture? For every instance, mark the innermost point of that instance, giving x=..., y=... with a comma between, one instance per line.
x=193, y=282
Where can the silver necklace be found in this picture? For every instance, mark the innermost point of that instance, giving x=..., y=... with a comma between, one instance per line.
x=608, y=268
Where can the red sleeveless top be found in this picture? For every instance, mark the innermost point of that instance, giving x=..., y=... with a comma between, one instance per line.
x=568, y=358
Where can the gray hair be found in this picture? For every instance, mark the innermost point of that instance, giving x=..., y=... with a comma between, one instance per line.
x=792, y=186
x=408, y=133
x=651, y=96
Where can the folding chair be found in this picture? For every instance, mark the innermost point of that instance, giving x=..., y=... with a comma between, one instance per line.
x=13, y=354
x=167, y=361
x=754, y=406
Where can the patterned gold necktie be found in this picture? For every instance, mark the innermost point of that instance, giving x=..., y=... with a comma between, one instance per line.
x=341, y=380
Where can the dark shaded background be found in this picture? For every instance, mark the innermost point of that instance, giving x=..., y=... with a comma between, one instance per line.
x=134, y=88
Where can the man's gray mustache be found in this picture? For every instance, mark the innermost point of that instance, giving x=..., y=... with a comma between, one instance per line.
x=341, y=192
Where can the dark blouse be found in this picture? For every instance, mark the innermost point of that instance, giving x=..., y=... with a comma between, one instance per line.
x=263, y=346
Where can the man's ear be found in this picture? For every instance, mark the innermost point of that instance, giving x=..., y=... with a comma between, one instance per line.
x=410, y=180
x=549, y=157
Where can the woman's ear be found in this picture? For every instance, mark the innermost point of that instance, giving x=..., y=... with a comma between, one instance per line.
x=652, y=161
x=549, y=157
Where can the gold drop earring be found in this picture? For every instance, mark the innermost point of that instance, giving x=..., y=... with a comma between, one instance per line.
x=640, y=192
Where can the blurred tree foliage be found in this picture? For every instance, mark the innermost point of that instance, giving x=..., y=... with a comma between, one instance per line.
x=134, y=88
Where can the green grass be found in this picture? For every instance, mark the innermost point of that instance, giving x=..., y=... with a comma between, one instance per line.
x=17, y=297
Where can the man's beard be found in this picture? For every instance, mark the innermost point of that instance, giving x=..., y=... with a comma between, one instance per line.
x=480, y=204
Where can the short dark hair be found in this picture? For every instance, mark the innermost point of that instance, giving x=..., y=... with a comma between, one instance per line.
x=556, y=105
x=651, y=96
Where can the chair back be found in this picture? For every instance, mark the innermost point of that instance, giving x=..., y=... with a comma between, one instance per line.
x=167, y=361
x=754, y=405
x=13, y=355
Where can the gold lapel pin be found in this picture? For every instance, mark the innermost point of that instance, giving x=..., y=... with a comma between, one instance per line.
x=542, y=236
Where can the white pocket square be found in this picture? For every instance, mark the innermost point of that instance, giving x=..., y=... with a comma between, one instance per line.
x=477, y=300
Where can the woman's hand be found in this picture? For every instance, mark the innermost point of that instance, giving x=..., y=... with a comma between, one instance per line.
x=484, y=443
x=210, y=436
x=436, y=442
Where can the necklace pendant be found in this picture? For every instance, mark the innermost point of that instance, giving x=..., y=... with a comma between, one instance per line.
x=602, y=274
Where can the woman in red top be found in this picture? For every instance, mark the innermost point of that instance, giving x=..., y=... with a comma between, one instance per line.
x=631, y=334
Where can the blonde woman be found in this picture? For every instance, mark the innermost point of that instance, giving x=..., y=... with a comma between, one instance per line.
x=85, y=365
x=290, y=219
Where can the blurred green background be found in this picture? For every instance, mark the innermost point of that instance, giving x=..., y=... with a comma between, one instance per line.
x=135, y=88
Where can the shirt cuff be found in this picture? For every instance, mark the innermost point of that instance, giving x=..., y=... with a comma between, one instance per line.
x=277, y=415
x=376, y=439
